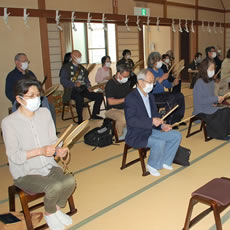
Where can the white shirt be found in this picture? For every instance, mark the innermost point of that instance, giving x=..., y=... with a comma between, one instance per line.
x=146, y=102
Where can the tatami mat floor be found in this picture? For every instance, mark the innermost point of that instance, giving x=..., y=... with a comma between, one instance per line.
x=110, y=199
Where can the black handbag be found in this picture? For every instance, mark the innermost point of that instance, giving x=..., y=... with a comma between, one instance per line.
x=101, y=136
x=182, y=156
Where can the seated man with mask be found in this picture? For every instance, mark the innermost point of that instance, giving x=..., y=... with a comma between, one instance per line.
x=116, y=90
x=21, y=71
x=144, y=126
x=74, y=78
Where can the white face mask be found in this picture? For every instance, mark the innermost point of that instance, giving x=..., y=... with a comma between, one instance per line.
x=219, y=51
x=128, y=56
x=32, y=104
x=78, y=60
x=213, y=54
x=159, y=64
x=210, y=73
x=107, y=64
x=148, y=87
x=123, y=80
x=199, y=59
x=167, y=60
x=24, y=65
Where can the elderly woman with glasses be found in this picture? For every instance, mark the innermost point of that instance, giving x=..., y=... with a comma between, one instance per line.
x=30, y=137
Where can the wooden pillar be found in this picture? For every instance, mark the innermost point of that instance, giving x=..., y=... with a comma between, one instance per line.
x=196, y=27
x=141, y=44
x=115, y=11
x=224, y=51
x=115, y=6
x=45, y=45
x=165, y=11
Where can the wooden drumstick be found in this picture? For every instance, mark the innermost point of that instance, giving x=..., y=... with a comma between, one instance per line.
x=185, y=120
x=171, y=68
x=227, y=95
x=167, y=114
x=63, y=135
x=215, y=76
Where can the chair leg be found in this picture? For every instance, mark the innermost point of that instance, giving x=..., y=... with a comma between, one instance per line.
x=72, y=208
x=206, y=138
x=126, y=148
x=63, y=111
x=90, y=114
x=142, y=153
x=189, y=214
x=26, y=210
x=11, y=195
x=72, y=114
x=217, y=216
x=189, y=128
x=115, y=132
x=189, y=133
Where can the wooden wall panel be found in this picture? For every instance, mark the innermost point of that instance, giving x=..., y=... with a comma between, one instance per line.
x=128, y=40
x=55, y=52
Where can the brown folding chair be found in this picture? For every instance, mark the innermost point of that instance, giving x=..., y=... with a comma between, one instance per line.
x=26, y=198
x=215, y=194
x=202, y=127
x=142, y=155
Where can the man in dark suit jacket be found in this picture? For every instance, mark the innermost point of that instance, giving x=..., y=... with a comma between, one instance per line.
x=144, y=126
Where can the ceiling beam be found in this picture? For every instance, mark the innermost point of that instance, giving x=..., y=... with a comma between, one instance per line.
x=96, y=17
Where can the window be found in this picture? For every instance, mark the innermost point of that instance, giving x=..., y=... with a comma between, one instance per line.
x=79, y=40
x=95, y=43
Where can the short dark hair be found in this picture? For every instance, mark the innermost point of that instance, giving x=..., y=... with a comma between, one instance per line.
x=122, y=68
x=198, y=54
x=203, y=67
x=103, y=59
x=207, y=50
x=228, y=53
x=164, y=56
x=125, y=52
x=67, y=58
x=22, y=86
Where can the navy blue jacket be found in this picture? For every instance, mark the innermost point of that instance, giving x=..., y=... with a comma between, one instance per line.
x=139, y=125
x=11, y=80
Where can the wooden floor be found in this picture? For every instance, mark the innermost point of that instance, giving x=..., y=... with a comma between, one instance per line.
x=110, y=199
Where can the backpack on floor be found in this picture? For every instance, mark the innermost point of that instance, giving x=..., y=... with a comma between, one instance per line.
x=182, y=156
x=100, y=136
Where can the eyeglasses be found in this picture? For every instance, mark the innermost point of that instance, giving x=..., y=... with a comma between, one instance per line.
x=149, y=81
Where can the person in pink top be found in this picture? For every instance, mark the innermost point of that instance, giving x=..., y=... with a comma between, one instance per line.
x=104, y=73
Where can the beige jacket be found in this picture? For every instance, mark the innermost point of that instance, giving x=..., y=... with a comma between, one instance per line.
x=22, y=134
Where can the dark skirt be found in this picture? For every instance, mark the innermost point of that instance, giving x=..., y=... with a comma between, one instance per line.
x=218, y=123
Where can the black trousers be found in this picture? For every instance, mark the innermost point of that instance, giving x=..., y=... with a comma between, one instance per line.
x=79, y=95
x=170, y=100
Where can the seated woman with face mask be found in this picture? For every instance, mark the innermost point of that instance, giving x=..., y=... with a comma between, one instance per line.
x=168, y=99
x=30, y=137
x=217, y=119
x=105, y=72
